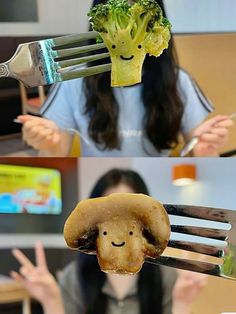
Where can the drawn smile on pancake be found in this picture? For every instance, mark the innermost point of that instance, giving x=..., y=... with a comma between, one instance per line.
x=118, y=245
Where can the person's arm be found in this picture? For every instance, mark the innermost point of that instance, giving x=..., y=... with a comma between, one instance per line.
x=45, y=136
x=38, y=281
x=196, y=109
x=212, y=135
x=54, y=306
x=60, y=112
x=187, y=288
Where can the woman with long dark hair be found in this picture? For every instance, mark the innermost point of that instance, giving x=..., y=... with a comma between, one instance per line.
x=85, y=289
x=141, y=120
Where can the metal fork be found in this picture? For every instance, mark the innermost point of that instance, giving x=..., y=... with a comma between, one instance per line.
x=212, y=232
x=49, y=61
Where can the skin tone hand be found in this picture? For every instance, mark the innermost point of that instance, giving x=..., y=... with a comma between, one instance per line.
x=38, y=281
x=213, y=134
x=44, y=135
x=187, y=288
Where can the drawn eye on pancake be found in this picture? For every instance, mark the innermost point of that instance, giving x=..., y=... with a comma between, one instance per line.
x=122, y=229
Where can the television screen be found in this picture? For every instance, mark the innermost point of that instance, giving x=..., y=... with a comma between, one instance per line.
x=30, y=190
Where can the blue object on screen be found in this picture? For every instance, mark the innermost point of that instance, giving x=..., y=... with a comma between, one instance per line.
x=30, y=190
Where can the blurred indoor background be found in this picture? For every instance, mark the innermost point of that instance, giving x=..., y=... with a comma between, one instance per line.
x=214, y=186
x=204, y=33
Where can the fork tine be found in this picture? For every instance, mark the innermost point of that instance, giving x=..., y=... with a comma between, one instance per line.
x=86, y=72
x=63, y=41
x=202, y=232
x=75, y=52
x=196, y=247
x=196, y=266
x=68, y=63
x=206, y=213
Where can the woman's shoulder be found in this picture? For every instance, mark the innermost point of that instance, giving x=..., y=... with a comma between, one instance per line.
x=72, y=85
x=69, y=275
x=190, y=91
x=62, y=93
x=71, y=290
x=68, y=87
x=169, y=276
x=184, y=77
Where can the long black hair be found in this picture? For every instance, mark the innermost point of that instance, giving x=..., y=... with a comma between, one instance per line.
x=163, y=105
x=92, y=279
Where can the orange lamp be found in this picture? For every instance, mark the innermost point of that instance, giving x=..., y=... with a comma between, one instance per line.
x=184, y=174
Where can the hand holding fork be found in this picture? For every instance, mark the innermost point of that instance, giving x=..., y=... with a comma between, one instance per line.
x=209, y=136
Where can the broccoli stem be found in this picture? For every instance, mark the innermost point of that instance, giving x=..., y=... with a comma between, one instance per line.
x=125, y=73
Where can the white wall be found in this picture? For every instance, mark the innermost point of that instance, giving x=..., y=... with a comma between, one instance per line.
x=216, y=185
x=90, y=169
x=63, y=17
x=202, y=15
x=55, y=17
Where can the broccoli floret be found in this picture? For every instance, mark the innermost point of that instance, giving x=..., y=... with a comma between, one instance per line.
x=130, y=31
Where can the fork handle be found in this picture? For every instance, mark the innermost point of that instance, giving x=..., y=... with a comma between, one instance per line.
x=186, y=264
x=4, y=70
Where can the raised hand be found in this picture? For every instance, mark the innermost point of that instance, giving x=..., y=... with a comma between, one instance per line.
x=187, y=288
x=37, y=279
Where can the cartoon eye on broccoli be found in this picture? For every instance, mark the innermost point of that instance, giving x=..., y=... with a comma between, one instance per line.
x=130, y=31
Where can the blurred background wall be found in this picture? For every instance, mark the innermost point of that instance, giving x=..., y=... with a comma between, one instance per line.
x=186, y=17
x=215, y=185
x=205, y=37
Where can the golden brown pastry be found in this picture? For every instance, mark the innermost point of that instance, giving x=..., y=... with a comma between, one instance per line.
x=122, y=229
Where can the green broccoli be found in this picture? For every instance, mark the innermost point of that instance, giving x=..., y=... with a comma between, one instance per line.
x=130, y=31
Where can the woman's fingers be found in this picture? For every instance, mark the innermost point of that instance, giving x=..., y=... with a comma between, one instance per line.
x=209, y=137
x=212, y=134
x=22, y=259
x=31, y=129
x=212, y=138
x=216, y=122
x=44, y=142
x=27, y=117
x=40, y=255
x=226, y=123
x=56, y=137
x=43, y=134
x=38, y=129
x=40, y=133
x=220, y=131
x=27, y=273
x=17, y=277
x=206, y=126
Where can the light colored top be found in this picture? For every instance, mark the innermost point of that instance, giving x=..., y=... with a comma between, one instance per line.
x=74, y=303
x=65, y=106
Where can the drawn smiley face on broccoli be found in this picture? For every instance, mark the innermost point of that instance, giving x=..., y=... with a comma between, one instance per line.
x=130, y=31
x=122, y=229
